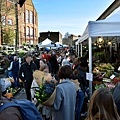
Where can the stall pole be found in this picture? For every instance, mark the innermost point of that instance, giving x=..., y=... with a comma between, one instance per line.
x=81, y=50
x=90, y=65
x=78, y=49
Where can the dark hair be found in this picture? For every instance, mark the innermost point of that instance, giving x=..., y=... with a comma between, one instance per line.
x=28, y=55
x=65, y=72
x=84, y=64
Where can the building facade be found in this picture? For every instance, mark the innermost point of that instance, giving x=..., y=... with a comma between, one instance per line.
x=7, y=23
x=27, y=21
x=53, y=36
x=109, y=10
x=28, y=27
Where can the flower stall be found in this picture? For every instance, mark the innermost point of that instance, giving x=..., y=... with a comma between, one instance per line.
x=105, y=76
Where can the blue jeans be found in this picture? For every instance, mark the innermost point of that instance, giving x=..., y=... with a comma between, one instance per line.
x=16, y=80
x=79, y=103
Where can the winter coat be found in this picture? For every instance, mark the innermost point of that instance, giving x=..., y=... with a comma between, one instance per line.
x=116, y=97
x=81, y=76
x=65, y=100
x=26, y=73
x=15, y=67
x=10, y=113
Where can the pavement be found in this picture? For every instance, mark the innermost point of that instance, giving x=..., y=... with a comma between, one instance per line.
x=20, y=95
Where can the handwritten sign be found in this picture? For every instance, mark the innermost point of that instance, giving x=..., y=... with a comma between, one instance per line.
x=89, y=76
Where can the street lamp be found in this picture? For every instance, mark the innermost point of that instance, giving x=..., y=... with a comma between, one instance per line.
x=21, y=2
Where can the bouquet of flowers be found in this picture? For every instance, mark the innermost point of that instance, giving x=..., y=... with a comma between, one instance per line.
x=45, y=93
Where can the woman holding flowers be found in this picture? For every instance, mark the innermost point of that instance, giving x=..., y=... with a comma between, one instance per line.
x=65, y=99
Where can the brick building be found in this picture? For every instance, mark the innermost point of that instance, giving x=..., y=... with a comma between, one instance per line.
x=7, y=15
x=28, y=27
x=27, y=21
x=53, y=36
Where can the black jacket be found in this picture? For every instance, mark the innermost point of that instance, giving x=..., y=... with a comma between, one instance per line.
x=116, y=96
x=26, y=72
x=81, y=76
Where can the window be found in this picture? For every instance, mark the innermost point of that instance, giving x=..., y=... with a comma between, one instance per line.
x=31, y=17
x=27, y=16
x=31, y=32
x=27, y=31
x=10, y=22
x=3, y=20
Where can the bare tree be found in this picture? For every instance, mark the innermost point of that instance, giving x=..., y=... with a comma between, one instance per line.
x=66, y=35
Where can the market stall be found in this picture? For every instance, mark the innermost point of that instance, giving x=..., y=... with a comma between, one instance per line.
x=46, y=43
x=108, y=27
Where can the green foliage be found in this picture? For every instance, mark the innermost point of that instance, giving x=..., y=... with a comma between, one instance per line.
x=21, y=54
x=9, y=36
x=44, y=92
x=24, y=44
x=99, y=86
x=100, y=56
x=41, y=95
x=109, y=86
x=7, y=30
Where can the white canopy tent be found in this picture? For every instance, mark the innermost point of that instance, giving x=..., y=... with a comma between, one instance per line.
x=46, y=43
x=64, y=45
x=107, y=27
x=104, y=28
x=58, y=45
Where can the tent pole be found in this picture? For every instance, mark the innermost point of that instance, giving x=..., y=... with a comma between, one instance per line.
x=90, y=64
x=78, y=49
x=81, y=49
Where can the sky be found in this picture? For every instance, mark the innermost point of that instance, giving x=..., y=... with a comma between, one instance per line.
x=69, y=16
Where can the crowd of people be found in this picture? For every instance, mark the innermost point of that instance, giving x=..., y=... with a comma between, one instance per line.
x=70, y=103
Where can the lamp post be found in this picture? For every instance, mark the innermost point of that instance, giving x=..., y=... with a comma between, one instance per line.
x=21, y=2
x=17, y=30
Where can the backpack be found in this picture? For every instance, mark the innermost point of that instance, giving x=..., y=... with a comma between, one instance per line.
x=27, y=109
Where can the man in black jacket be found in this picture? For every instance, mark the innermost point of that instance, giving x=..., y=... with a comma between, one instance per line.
x=26, y=74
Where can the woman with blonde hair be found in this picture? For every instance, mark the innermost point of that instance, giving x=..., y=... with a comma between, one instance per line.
x=102, y=106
